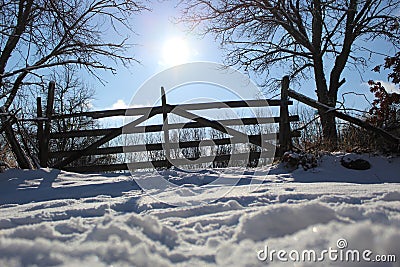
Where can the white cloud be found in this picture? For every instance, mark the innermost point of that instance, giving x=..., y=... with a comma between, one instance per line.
x=89, y=104
x=390, y=87
x=120, y=104
x=117, y=121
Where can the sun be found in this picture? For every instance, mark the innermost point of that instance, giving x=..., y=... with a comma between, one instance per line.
x=175, y=51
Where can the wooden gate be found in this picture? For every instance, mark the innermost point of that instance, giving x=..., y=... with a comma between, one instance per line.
x=63, y=159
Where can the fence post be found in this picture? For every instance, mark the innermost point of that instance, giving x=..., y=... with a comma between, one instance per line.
x=39, y=115
x=166, y=128
x=44, y=144
x=284, y=124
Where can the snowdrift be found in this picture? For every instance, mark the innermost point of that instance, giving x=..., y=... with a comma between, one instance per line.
x=54, y=218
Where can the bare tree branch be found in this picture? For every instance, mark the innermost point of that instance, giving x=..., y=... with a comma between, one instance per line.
x=46, y=34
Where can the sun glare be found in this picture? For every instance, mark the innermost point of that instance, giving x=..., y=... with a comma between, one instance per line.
x=175, y=51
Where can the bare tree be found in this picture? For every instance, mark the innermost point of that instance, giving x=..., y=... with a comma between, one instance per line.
x=318, y=37
x=38, y=35
x=72, y=95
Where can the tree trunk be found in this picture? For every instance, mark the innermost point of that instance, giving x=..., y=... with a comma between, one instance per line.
x=329, y=133
x=328, y=122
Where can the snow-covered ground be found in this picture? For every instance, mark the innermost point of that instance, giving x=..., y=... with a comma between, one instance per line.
x=55, y=218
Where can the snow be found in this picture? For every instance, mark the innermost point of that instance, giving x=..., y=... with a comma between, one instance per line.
x=55, y=218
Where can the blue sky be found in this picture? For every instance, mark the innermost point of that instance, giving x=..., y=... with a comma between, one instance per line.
x=154, y=30
x=155, y=34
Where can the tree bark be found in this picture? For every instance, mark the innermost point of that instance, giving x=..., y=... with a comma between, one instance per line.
x=327, y=119
x=329, y=133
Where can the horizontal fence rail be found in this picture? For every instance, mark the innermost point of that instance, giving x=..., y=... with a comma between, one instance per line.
x=161, y=163
x=159, y=128
x=158, y=109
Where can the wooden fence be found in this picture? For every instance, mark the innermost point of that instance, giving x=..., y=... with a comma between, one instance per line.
x=68, y=160
x=63, y=159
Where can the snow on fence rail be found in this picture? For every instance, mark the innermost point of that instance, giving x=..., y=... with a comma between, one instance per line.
x=63, y=159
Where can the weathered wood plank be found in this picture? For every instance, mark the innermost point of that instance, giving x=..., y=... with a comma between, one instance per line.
x=195, y=106
x=159, y=128
x=165, y=127
x=82, y=133
x=44, y=157
x=40, y=132
x=97, y=168
x=163, y=163
x=284, y=124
